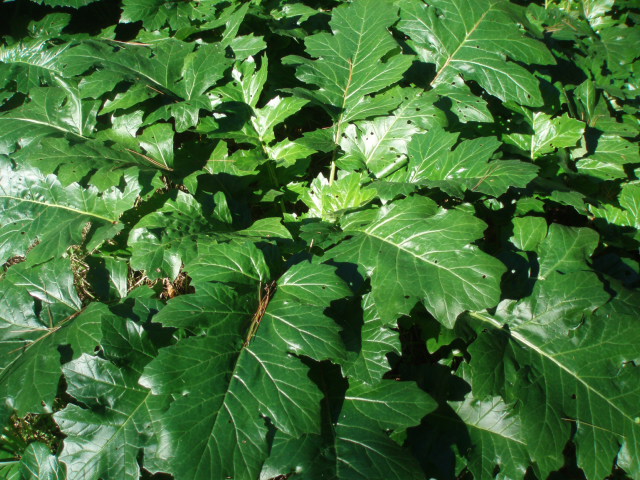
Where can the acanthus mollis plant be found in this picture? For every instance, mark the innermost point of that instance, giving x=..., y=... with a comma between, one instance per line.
x=366, y=239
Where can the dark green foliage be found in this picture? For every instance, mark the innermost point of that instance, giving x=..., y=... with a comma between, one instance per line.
x=354, y=240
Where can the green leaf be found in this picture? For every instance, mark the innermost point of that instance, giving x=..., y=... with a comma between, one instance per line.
x=287, y=153
x=361, y=447
x=51, y=25
x=106, y=166
x=183, y=294
x=380, y=145
x=167, y=238
x=627, y=214
x=36, y=207
x=329, y=201
x=273, y=113
x=195, y=312
x=428, y=253
x=467, y=167
x=474, y=39
x=66, y=3
x=581, y=384
x=489, y=436
x=248, y=379
x=549, y=134
x=246, y=46
x=151, y=12
x=119, y=415
x=112, y=407
x=30, y=336
x=38, y=462
x=497, y=436
x=528, y=232
x=464, y=104
x=171, y=67
x=156, y=14
x=31, y=64
x=313, y=284
x=565, y=294
x=100, y=82
x=427, y=150
x=609, y=159
x=369, y=363
x=248, y=83
x=235, y=263
x=359, y=59
x=50, y=112
x=157, y=141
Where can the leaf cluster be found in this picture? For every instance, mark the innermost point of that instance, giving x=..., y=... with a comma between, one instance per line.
x=366, y=239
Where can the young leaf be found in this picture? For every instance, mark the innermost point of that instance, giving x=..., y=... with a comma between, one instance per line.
x=549, y=134
x=328, y=201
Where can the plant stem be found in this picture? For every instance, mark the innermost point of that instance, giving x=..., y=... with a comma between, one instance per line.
x=271, y=169
x=338, y=134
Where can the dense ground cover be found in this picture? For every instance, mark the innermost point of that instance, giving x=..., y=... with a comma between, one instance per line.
x=319, y=239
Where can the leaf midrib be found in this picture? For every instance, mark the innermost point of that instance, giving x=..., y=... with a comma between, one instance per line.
x=462, y=43
x=46, y=124
x=434, y=264
x=62, y=207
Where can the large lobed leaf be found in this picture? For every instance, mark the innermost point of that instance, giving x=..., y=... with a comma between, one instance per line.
x=473, y=39
x=36, y=208
x=41, y=312
x=565, y=365
x=360, y=58
x=286, y=321
x=414, y=251
x=248, y=380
